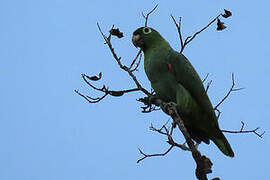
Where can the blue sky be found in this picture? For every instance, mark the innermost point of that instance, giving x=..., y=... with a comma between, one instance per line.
x=49, y=132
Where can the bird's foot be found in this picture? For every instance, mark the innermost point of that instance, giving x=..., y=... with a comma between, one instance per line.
x=169, y=107
x=149, y=100
x=184, y=145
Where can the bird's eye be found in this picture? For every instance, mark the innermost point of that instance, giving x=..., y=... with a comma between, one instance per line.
x=147, y=30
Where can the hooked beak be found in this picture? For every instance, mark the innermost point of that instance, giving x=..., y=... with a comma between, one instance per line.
x=136, y=40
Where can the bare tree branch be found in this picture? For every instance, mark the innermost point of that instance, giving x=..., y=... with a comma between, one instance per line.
x=148, y=14
x=135, y=59
x=190, y=38
x=168, y=133
x=163, y=130
x=90, y=99
x=204, y=79
x=178, y=27
x=152, y=155
x=208, y=85
x=229, y=92
x=104, y=90
x=219, y=112
x=255, y=131
x=137, y=64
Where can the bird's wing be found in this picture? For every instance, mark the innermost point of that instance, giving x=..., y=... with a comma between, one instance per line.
x=186, y=75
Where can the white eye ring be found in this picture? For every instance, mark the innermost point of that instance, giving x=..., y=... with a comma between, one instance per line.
x=147, y=30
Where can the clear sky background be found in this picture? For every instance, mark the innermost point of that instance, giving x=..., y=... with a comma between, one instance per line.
x=47, y=132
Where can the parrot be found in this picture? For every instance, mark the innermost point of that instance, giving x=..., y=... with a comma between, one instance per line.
x=174, y=79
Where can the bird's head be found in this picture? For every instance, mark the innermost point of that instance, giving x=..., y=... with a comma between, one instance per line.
x=146, y=37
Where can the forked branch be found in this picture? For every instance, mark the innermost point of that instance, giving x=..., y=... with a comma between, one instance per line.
x=148, y=14
x=168, y=132
x=153, y=155
x=105, y=90
x=255, y=131
x=220, y=26
x=232, y=89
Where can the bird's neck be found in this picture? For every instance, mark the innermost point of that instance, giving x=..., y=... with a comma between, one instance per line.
x=157, y=49
x=156, y=46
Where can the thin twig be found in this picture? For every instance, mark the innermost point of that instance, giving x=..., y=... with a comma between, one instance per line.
x=168, y=132
x=104, y=90
x=219, y=112
x=110, y=35
x=152, y=155
x=137, y=64
x=228, y=93
x=204, y=79
x=85, y=77
x=160, y=130
x=107, y=41
x=189, y=39
x=178, y=27
x=135, y=59
x=147, y=15
x=208, y=85
x=245, y=131
x=89, y=99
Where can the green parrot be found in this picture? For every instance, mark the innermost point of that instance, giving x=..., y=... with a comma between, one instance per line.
x=174, y=79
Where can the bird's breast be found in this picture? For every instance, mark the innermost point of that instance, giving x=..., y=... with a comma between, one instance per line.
x=162, y=80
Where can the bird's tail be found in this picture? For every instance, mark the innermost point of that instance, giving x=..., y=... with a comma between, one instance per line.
x=222, y=143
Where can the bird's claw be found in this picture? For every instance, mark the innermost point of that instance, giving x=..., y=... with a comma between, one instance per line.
x=168, y=108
